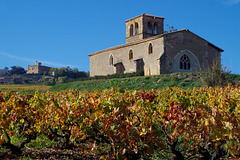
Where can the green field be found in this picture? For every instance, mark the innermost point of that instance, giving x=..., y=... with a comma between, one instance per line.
x=183, y=80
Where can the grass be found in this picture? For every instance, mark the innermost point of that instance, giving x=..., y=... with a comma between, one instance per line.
x=43, y=148
x=183, y=80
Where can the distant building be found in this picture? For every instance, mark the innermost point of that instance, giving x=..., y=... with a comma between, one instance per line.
x=37, y=68
x=149, y=49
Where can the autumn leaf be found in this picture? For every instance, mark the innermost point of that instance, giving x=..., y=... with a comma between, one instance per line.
x=11, y=133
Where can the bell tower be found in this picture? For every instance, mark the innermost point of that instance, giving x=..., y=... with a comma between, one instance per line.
x=143, y=26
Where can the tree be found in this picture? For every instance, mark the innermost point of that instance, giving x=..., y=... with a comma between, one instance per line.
x=4, y=71
x=170, y=29
x=75, y=72
x=14, y=81
x=17, y=70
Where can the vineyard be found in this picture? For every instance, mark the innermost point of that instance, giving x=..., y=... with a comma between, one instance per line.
x=198, y=123
x=23, y=89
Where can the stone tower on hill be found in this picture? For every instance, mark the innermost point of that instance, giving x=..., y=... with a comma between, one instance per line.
x=37, y=68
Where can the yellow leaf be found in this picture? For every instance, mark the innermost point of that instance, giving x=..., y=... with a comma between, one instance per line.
x=85, y=120
x=206, y=122
x=64, y=127
x=103, y=157
x=22, y=121
x=143, y=131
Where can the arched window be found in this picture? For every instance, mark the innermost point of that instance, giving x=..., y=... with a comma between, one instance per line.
x=149, y=28
x=155, y=28
x=130, y=55
x=131, y=30
x=150, y=49
x=185, y=62
x=136, y=28
x=111, y=60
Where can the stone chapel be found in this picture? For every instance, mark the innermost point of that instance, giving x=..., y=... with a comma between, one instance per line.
x=148, y=48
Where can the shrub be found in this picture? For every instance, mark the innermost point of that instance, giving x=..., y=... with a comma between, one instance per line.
x=215, y=75
x=61, y=80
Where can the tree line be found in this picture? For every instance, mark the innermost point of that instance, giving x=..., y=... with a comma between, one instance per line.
x=56, y=72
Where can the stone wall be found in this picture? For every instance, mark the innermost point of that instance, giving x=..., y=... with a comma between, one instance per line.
x=100, y=62
x=200, y=51
x=167, y=51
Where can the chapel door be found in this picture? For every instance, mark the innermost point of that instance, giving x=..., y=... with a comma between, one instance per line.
x=139, y=65
x=119, y=68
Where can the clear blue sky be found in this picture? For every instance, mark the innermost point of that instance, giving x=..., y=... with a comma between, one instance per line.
x=62, y=33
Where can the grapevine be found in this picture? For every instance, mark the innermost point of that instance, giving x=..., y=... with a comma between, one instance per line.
x=191, y=123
